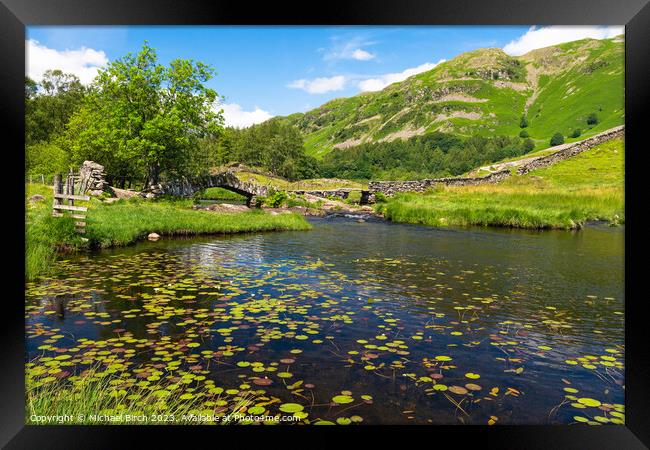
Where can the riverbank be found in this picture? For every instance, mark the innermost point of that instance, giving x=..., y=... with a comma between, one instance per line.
x=587, y=187
x=124, y=222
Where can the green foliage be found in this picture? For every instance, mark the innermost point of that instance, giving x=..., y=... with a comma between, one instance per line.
x=523, y=123
x=49, y=105
x=576, y=133
x=216, y=193
x=592, y=119
x=557, y=139
x=91, y=393
x=144, y=120
x=276, y=199
x=273, y=145
x=524, y=134
x=46, y=158
x=528, y=145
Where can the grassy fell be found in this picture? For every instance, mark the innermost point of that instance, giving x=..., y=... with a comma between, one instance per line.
x=566, y=195
x=556, y=88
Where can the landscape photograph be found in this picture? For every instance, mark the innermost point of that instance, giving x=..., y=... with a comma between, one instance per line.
x=325, y=225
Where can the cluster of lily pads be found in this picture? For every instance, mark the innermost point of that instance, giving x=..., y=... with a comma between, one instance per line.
x=409, y=341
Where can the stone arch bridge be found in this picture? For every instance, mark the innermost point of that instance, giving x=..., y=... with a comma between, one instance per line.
x=229, y=180
x=226, y=180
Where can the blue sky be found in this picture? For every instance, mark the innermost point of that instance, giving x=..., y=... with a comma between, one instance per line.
x=267, y=71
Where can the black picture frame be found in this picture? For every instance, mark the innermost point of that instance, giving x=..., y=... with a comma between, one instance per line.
x=15, y=15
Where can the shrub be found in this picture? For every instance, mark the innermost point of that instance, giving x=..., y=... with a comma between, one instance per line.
x=524, y=122
x=576, y=133
x=524, y=134
x=592, y=119
x=380, y=197
x=276, y=199
x=557, y=139
x=528, y=145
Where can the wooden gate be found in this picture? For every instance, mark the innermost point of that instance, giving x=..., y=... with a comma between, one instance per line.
x=65, y=192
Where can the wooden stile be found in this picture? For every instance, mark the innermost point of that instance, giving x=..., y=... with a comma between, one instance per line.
x=66, y=192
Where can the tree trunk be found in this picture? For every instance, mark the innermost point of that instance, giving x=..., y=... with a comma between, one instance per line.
x=154, y=173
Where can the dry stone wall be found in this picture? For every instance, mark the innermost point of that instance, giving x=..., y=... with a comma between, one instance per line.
x=389, y=188
x=91, y=178
x=570, y=150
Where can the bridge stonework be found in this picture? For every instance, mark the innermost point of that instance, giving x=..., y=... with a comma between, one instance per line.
x=227, y=180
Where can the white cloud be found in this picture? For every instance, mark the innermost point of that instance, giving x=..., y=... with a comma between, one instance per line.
x=362, y=55
x=556, y=34
x=235, y=116
x=82, y=62
x=351, y=49
x=380, y=82
x=319, y=85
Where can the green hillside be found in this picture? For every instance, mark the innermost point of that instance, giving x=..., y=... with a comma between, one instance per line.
x=483, y=92
x=586, y=187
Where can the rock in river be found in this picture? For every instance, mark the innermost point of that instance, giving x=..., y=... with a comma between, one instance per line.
x=153, y=236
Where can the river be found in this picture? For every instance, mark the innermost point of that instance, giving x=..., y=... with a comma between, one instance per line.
x=370, y=322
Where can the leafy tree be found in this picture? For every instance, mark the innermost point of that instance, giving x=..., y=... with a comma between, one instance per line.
x=524, y=134
x=557, y=139
x=143, y=119
x=46, y=158
x=523, y=123
x=576, y=133
x=273, y=145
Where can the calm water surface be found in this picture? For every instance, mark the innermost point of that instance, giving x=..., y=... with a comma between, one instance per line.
x=429, y=326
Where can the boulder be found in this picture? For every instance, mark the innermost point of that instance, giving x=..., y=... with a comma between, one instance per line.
x=153, y=236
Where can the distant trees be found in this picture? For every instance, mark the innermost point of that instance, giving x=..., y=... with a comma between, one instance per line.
x=592, y=119
x=432, y=155
x=272, y=145
x=523, y=123
x=49, y=104
x=557, y=139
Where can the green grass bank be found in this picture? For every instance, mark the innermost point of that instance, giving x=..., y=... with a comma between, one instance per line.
x=587, y=187
x=127, y=221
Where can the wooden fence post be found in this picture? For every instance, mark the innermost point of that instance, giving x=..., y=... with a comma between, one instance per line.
x=58, y=189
